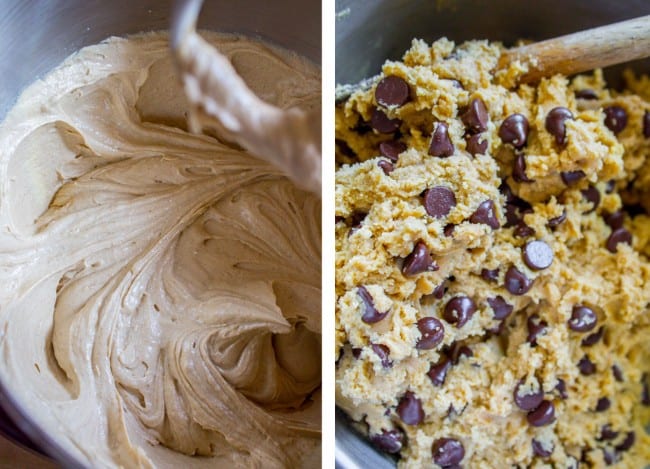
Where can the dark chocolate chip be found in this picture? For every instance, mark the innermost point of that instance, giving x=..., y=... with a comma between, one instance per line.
x=418, y=261
x=343, y=147
x=440, y=290
x=370, y=314
x=571, y=178
x=514, y=129
x=542, y=415
x=594, y=338
x=438, y=371
x=459, y=351
x=522, y=230
x=539, y=450
x=527, y=401
x=536, y=328
x=555, y=123
x=447, y=452
x=490, y=275
x=432, y=332
x=475, y=116
x=476, y=144
x=389, y=441
x=410, y=409
x=606, y=433
x=356, y=353
x=618, y=373
x=386, y=166
x=586, y=94
x=627, y=443
x=382, y=123
x=500, y=307
x=516, y=282
x=449, y=229
x=620, y=235
x=356, y=221
x=519, y=169
x=440, y=142
x=556, y=221
x=645, y=390
x=438, y=201
x=392, y=149
x=603, y=404
x=392, y=91
x=583, y=318
x=383, y=352
x=586, y=366
x=610, y=186
x=591, y=194
x=615, y=118
x=561, y=388
x=506, y=191
x=537, y=255
x=486, y=214
x=459, y=310
x=646, y=124
x=609, y=456
x=614, y=220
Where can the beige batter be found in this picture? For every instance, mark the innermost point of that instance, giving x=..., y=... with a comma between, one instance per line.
x=161, y=289
x=488, y=315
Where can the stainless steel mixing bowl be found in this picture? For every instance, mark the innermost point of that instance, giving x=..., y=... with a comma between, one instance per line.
x=370, y=31
x=37, y=35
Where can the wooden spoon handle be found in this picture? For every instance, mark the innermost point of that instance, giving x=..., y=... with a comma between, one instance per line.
x=574, y=53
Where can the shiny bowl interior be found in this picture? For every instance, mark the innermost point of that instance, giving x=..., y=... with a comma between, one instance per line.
x=38, y=35
x=369, y=32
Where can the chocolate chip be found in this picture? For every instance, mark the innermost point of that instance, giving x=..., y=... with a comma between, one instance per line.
x=555, y=123
x=392, y=149
x=609, y=456
x=382, y=123
x=646, y=124
x=528, y=401
x=343, y=147
x=389, y=441
x=475, y=116
x=459, y=351
x=615, y=118
x=514, y=129
x=606, y=433
x=447, y=452
x=490, y=275
x=593, y=339
x=410, y=410
x=418, y=261
x=440, y=290
x=519, y=169
x=486, y=214
x=383, y=352
x=392, y=91
x=438, y=371
x=603, y=404
x=620, y=235
x=645, y=391
x=591, y=194
x=356, y=352
x=537, y=255
x=449, y=229
x=627, y=443
x=614, y=220
x=618, y=373
x=522, y=230
x=571, y=178
x=438, y=201
x=536, y=328
x=561, y=388
x=586, y=94
x=455, y=83
x=542, y=415
x=370, y=314
x=459, y=310
x=610, y=186
x=556, y=221
x=586, y=366
x=432, y=332
x=440, y=142
x=386, y=166
x=583, y=318
x=516, y=282
x=540, y=450
x=356, y=221
x=500, y=307
x=476, y=144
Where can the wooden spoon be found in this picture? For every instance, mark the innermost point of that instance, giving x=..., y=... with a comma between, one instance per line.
x=574, y=53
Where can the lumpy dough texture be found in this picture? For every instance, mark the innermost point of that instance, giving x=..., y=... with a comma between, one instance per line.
x=537, y=365
x=161, y=289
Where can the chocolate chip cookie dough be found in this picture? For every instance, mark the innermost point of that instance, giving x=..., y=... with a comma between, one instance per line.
x=492, y=264
x=160, y=300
